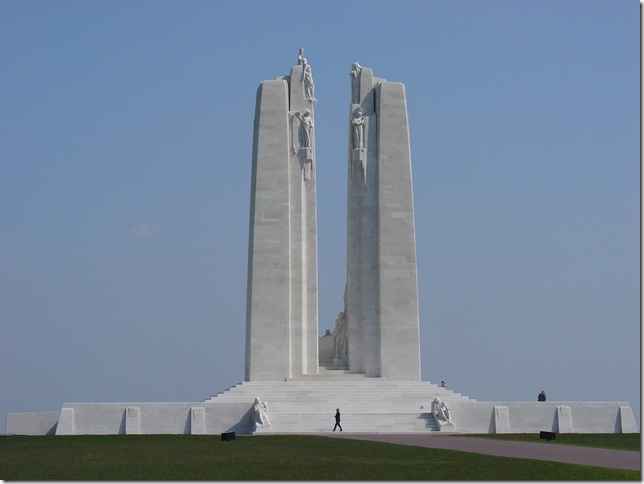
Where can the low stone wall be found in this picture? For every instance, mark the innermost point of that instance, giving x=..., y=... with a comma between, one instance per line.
x=154, y=418
x=468, y=417
x=135, y=418
x=531, y=417
x=32, y=423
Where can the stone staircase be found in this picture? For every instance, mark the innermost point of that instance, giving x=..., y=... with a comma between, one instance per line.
x=307, y=404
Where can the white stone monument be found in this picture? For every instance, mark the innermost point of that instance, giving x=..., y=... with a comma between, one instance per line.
x=282, y=298
x=369, y=366
x=381, y=301
x=381, y=337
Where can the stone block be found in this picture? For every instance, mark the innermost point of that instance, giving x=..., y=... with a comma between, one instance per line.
x=197, y=420
x=132, y=420
x=501, y=420
x=564, y=420
x=65, y=422
x=627, y=423
x=31, y=423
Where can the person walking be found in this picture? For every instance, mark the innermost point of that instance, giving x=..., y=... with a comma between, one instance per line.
x=337, y=420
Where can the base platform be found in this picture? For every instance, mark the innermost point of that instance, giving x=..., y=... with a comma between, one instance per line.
x=308, y=405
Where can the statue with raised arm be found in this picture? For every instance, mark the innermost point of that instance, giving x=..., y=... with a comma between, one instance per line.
x=358, y=122
x=355, y=82
x=307, y=80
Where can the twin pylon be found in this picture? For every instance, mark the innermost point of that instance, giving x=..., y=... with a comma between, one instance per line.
x=379, y=328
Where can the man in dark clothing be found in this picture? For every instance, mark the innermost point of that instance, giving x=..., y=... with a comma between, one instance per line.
x=542, y=396
x=337, y=420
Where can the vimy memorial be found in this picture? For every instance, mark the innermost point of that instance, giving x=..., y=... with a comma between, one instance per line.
x=369, y=365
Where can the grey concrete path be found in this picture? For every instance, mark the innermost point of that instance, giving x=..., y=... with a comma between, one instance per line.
x=587, y=456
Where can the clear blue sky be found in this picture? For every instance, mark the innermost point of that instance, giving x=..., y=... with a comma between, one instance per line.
x=125, y=147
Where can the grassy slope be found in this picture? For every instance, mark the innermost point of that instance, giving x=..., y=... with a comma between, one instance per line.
x=179, y=457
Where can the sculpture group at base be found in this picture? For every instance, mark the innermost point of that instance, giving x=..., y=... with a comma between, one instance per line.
x=440, y=411
x=260, y=415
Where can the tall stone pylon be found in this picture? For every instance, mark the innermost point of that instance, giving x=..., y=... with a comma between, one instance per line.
x=282, y=297
x=381, y=295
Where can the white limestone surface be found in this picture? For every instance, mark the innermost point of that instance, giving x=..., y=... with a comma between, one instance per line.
x=381, y=391
x=153, y=418
x=268, y=306
x=31, y=423
x=282, y=311
x=307, y=405
x=398, y=297
x=382, y=291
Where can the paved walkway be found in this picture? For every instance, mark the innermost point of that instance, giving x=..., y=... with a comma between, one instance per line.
x=588, y=456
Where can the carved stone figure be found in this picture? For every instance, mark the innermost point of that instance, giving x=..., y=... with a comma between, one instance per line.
x=260, y=414
x=301, y=131
x=301, y=127
x=340, y=337
x=358, y=122
x=440, y=410
x=307, y=79
x=356, y=69
x=306, y=124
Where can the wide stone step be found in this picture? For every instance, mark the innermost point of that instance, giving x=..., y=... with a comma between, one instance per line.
x=334, y=367
x=331, y=374
x=364, y=383
x=339, y=391
x=285, y=422
x=295, y=389
x=362, y=399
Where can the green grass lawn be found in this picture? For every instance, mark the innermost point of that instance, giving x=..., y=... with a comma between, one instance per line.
x=193, y=457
